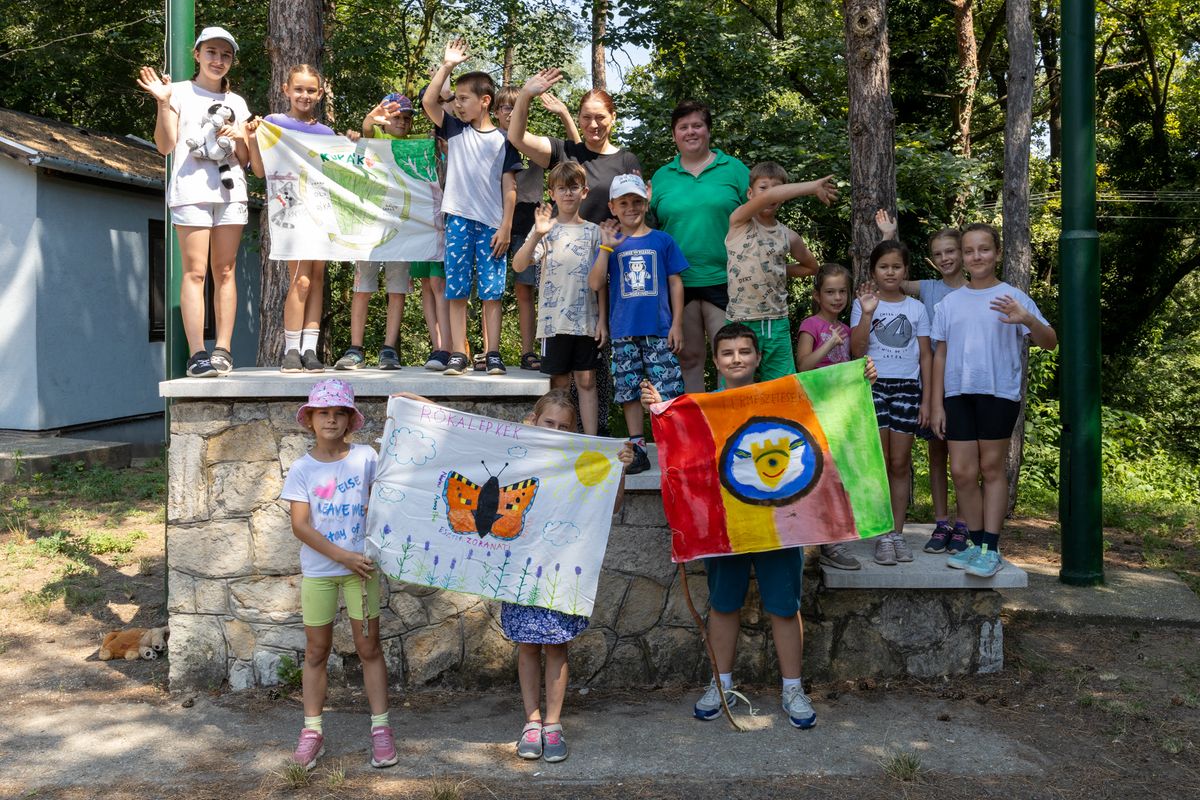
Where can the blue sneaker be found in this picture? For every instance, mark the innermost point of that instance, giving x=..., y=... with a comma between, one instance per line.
x=940, y=538
x=985, y=563
x=960, y=560
x=799, y=708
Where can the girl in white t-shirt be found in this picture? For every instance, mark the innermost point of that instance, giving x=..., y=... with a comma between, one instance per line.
x=306, y=278
x=977, y=390
x=200, y=124
x=328, y=488
x=894, y=331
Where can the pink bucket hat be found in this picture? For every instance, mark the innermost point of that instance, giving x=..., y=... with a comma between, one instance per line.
x=331, y=393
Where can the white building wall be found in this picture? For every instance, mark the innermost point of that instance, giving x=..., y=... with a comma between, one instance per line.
x=20, y=262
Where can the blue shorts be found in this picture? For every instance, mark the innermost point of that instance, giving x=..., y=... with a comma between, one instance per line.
x=780, y=576
x=638, y=357
x=469, y=254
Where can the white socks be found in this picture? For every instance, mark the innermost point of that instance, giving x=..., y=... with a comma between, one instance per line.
x=308, y=339
x=726, y=680
x=291, y=341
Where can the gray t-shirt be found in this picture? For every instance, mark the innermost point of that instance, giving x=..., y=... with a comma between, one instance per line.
x=566, y=306
x=931, y=293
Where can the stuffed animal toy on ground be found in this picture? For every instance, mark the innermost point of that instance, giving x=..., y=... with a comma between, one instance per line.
x=212, y=146
x=134, y=643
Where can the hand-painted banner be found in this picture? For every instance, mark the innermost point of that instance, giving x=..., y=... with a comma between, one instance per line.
x=332, y=199
x=492, y=508
x=792, y=462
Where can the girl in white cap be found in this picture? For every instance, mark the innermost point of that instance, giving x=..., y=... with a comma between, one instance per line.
x=199, y=122
x=328, y=488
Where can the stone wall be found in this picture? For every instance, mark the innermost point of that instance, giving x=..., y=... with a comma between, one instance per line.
x=234, y=587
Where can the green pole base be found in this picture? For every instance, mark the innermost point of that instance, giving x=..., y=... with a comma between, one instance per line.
x=1081, y=578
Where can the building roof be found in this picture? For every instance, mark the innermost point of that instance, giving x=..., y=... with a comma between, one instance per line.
x=59, y=146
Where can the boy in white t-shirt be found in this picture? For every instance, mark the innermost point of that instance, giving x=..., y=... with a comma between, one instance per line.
x=480, y=195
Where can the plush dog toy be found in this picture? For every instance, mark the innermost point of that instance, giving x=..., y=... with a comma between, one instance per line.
x=134, y=643
x=212, y=146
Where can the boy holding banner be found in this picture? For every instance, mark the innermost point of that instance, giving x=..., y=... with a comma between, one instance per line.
x=736, y=356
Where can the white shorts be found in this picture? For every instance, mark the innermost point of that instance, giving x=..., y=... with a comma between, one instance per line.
x=366, y=276
x=210, y=215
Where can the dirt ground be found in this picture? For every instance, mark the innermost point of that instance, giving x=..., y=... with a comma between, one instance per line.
x=1111, y=711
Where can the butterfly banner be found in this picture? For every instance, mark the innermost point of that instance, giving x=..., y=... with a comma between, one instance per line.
x=791, y=462
x=492, y=508
x=332, y=199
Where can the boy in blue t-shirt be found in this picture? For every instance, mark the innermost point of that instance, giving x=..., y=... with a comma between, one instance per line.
x=480, y=194
x=640, y=268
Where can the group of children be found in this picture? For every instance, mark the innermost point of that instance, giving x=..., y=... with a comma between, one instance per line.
x=943, y=355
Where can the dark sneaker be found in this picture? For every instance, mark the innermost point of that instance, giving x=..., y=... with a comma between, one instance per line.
x=389, y=358
x=311, y=362
x=835, y=555
x=530, y=744
x=458, y=364
x=495, y=366
x=554, y=745
x=199, y=366
x=292, y=362
x=222, y=360
x=940, y=538
x=353, y=358
x=437, y=360
x=640, y=463
x=958, y=540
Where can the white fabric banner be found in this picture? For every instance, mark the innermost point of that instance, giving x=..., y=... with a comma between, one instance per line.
x=492, y=508
x=335, y=200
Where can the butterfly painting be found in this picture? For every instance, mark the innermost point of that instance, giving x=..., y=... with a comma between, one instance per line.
x=488, y=509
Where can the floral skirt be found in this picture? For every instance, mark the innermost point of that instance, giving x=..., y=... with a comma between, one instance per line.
x=536, y=625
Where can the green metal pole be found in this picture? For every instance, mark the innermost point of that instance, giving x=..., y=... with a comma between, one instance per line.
x=1080, y=497
x=181, y=35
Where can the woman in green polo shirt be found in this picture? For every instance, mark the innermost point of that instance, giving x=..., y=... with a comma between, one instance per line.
x=692, y=198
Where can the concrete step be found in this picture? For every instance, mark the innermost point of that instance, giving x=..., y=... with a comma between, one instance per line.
x=23, y=454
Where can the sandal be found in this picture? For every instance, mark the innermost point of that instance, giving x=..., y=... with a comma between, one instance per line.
x=531, y=361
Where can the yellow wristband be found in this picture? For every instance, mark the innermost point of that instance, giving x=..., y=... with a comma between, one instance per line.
x=606, y=248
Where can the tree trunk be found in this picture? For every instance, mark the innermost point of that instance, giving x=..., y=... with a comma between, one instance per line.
x=1017, y=250
x=1047, y=32
x=599, y=29
x=871, y=126
x=295, y=35
x=967, y=77
x=510, y=35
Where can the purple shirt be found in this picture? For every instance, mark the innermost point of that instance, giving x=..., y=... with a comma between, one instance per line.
x=286, y=122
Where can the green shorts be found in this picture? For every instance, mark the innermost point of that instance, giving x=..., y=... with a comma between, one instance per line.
x=775, y=345
x=426, y=269
x=319, y=598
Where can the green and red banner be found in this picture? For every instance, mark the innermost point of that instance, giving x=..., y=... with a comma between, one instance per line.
x=792, y=462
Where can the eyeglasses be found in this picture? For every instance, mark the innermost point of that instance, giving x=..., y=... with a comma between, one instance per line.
x=574, y=188
x=504, y=108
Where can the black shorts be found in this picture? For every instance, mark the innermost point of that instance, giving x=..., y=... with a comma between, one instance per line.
x=897, y=404
x=717, y=295
x=566, y=353
x=972, y=417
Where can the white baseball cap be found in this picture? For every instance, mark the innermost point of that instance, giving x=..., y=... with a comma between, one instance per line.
x=215, y=32
x=627, y=184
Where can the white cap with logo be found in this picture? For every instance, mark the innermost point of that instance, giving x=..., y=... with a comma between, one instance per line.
x=215, y=32
x=627, y=184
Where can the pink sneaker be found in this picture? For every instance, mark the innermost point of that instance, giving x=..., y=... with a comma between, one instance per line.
x=310, y=747
x=383, y=747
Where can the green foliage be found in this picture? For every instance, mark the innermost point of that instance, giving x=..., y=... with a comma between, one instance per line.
x=290, y=673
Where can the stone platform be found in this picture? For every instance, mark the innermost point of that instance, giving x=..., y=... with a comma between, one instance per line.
x=23, y=454
x=233, y=582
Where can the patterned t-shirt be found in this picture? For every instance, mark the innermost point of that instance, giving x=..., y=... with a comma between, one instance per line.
x=757, y=265
x=896, y=328
x=566, y=306
x=821, y=331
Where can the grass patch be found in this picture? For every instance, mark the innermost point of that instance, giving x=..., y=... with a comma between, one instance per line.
x=903, y=766
x=290, y=673
x=294, y=776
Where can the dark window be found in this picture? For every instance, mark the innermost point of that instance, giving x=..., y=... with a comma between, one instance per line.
x=158, y=276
